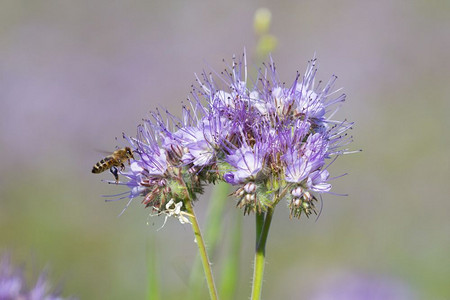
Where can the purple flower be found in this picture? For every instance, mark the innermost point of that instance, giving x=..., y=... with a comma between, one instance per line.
x=270, y=139
x=14, y=286
x=312, y=101
x=303, y=157
x=359, y=286
x=317, y=181
x=247, y=161
x=297, y=167
x=197, y=149
x=200, y=142
x=153, y=159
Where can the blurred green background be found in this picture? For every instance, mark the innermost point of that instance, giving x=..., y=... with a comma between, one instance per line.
x=74, y=75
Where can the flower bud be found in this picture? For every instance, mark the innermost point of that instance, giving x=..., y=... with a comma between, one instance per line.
x=307, y=196
x=261, y=21
x=297, y=192
x=250, y=188
x=249, y=198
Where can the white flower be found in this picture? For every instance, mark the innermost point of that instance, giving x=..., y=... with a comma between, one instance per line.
x=174, y=210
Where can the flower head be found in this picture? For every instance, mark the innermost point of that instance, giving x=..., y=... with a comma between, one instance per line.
x=270, y=140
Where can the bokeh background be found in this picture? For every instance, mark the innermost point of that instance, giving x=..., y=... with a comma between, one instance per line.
x=74, y=75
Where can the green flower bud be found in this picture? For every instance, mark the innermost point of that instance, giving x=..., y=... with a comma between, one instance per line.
x=261, y=20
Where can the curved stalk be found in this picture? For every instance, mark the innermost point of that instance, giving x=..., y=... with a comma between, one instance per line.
x=202, y=249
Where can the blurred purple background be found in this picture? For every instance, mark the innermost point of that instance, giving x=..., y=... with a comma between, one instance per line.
x=76, y=74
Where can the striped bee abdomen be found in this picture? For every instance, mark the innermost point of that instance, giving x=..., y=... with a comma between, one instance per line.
x=103, y=165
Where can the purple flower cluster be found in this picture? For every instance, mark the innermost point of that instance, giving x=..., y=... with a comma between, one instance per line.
x=359, y=285
x=269, y=140
x=13, y=285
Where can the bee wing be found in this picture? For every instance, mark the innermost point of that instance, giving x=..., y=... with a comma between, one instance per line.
x=104, y=151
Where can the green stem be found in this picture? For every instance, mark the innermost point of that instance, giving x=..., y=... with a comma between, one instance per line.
x=212, y=234
x=202, y=250
x=260, y=254
x=231, y=264
x=259, y=218
x=154, y=283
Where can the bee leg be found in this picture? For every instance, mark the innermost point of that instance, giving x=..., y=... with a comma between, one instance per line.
x=122, y=167
x=115, y=172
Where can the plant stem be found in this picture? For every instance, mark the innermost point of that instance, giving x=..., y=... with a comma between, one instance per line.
x=153, y=292
x=231, y=265
x=259, y=218
x=202, y=249
x=260, y=254
x=213, y=232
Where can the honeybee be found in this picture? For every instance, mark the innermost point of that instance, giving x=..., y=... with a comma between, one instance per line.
x=111, y=162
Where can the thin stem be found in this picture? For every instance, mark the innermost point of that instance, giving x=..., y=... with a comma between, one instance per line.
x=213, y=228
x=153, y=292
x=230, y=271
x=260, y=254
x=202, y=250
x=259, y=218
